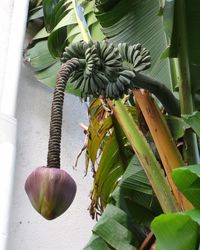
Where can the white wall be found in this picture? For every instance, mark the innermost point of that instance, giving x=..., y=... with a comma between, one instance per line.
x=13, y=15
x=28, y=230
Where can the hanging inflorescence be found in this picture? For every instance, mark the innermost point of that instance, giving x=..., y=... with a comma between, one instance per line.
x=106, y=70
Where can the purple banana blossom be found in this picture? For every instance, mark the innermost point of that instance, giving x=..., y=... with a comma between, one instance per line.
x=50, y=190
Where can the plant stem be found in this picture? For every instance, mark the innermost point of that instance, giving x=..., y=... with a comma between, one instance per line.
x=81, y=21
x=175, y=73
x=146, y=157
x=53, y=157
x=137, y=139
x=148, y=242
x=163, y=94
x=191, y=155
x=169, y=154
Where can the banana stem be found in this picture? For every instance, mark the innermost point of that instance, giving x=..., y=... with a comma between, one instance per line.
x=157, y=88
x=53, y=156
x=81, y=22
x=191, y=154
x=146, y=157
x=169, y=154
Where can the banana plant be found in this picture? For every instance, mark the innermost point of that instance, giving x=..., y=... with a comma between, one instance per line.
x=62, y=27
x=124, y=112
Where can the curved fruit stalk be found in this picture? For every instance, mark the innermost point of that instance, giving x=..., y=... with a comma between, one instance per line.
x=50, y=189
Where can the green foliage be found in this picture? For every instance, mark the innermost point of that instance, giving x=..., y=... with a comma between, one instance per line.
x=187, y=180
x=108, y=152
x=54, y=12
x=105, y=237
x=121, y=188
x=137, y=22
x=40, y=57
x=194, y=121
x=181, y=230
x=192, y=37
x=131, y=209
x=61, y=29
x=33, y=4
x=177, y=126
x=176, y=232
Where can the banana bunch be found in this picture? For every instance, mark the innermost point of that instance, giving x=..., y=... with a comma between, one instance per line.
x=78, y=50
x=105, y=70
x=75, y=50
x=92, y=60
x=110, y=59
x=135, y=57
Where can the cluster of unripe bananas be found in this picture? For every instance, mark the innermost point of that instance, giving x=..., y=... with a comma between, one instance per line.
x=106, y=70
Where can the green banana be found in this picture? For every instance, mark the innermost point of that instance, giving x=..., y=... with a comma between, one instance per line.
x=125, y=81
x=135, y=55
x=123, y=49
x=76, y=76
x=138, y=46
x=120, y=86
x=137, y=61
x=115, y=90
x=128, y=74
x=93, y=86
x=107, y=51
x=144, y=52
x=103, y=46
x=86, y=89
x=112, y=55
x=78, y=82
x=142, y=66
x=146, y=59
x=131, y=51
x=98, y=81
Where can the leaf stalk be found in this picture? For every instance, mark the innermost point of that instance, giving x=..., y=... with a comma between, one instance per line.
x=146, y=157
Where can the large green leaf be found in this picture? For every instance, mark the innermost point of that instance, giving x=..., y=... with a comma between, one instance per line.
x=113, y=230
x=187, y=179
x=191, y=41
x=39, y=56
x=71, y=16
x=178, y=231
x=168, y=14
x=54, y=11
x=194, y=121
x=177, y=126
x=62, y=26
x=110, y=168
x=35, y=13
x=132, y=207
x=96, y=243
x=138, y=199
x=98, y=128
x=194, y=214
x=57, y=42
x=175, y=232
x=47, y=67
x=33, y=4
x=182, y=21
x=108, y=153
x=135, y=21
x=135, y=179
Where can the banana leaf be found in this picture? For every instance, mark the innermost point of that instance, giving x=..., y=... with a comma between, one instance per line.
x=135, y=21
x=131, y=208
x=193, y=121
x=176, y=232
x=61, y=28
x=108, y=152
x=187, y=179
